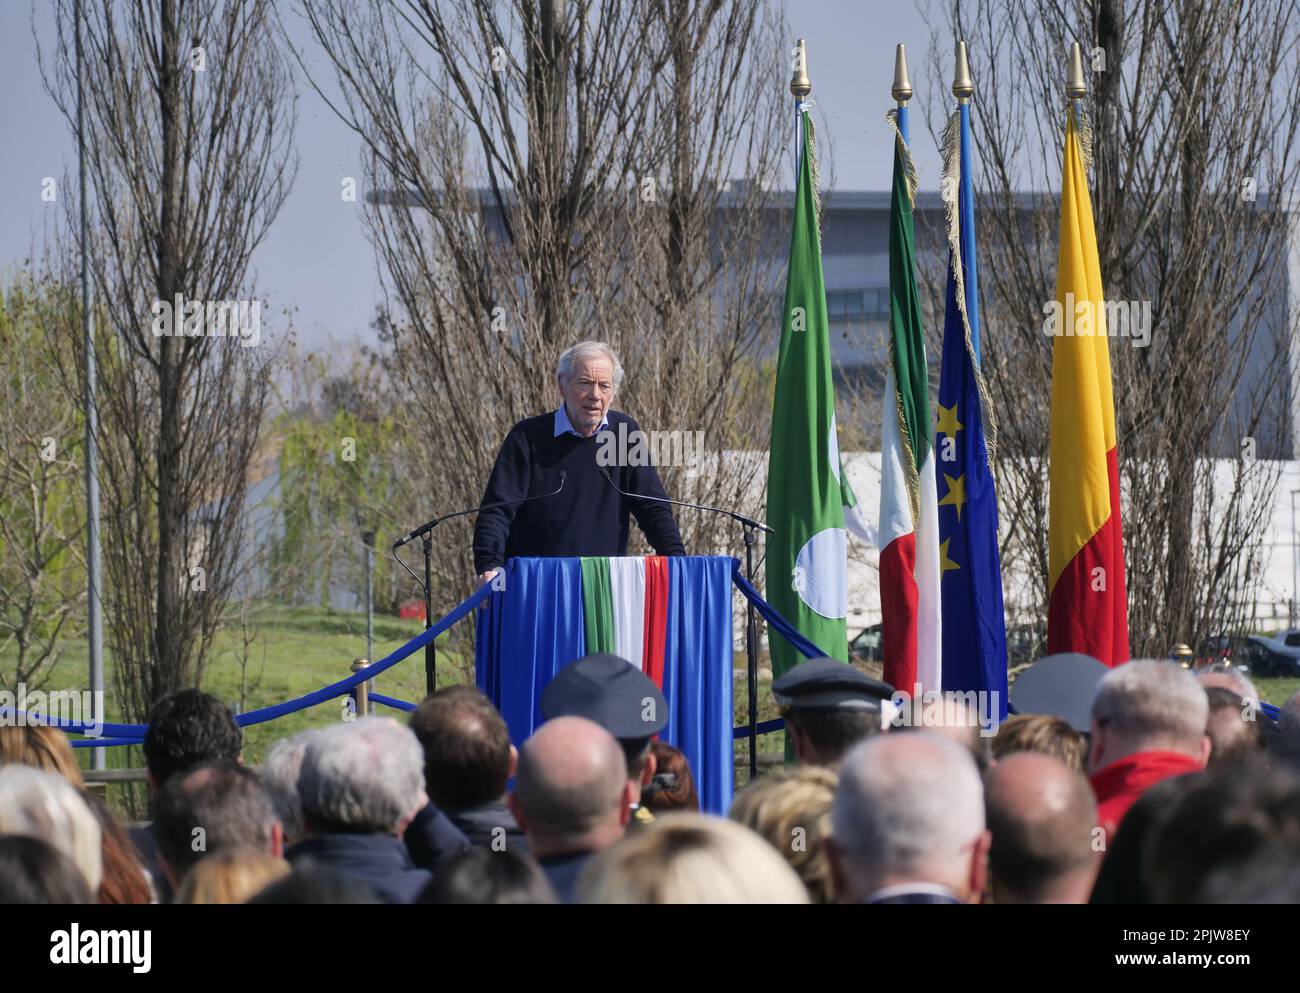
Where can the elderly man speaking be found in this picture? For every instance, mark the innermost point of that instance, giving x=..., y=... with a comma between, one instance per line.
x=588, y=516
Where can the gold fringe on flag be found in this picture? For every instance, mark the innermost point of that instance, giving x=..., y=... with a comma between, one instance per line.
x=909, y=169
x=910, y=471
x=816, y=174
x=950, y=150
x=1082, y=128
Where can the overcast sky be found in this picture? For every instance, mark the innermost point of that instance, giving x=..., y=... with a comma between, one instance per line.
x=316, y=260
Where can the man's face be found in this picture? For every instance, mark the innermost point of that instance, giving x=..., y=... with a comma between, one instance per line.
x=588, y=393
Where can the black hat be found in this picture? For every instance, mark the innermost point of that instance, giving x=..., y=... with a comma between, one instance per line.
x=828, y=684
x=611, y=691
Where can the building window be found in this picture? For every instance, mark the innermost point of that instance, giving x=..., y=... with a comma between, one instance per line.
x=843, y=305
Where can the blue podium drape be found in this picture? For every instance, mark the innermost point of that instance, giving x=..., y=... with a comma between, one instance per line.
x=535, y=626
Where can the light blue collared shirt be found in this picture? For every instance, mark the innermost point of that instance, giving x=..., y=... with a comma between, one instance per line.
x=564, y=426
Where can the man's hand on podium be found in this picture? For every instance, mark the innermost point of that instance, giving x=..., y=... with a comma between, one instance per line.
x=486, y=577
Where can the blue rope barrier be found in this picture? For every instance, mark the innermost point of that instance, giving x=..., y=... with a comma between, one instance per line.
x=122, y=734
x=767, y=727
x=774, y=620
x=75, y=727
x=393, y=702
x=105, y=742
x=327, y=693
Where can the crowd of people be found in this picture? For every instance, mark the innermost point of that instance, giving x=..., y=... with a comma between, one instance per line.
x=1181, y=790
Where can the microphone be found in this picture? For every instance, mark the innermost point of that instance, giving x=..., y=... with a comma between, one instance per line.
x=424, y=529
x=748, y=522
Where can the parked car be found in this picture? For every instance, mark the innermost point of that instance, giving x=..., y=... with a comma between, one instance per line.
x=1270, y=657
x=1023, y=645
x=869, y=644
x=1250, y=654
x=1288, y=642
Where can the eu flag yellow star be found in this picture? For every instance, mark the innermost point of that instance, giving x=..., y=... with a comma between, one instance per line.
x=948, y=423
x=956, y=494
x=945, y=563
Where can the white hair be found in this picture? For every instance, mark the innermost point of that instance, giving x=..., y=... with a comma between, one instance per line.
x=365, y=775
x=1152, y=703
x=574, y=354
x=280, y=774
x=908, y=804
x=45, y=806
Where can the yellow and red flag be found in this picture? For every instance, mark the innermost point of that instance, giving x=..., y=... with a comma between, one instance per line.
x=1087, y=599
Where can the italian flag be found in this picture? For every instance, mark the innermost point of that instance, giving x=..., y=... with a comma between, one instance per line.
x=910, y=555
x=625, y=610
x=1087, y=602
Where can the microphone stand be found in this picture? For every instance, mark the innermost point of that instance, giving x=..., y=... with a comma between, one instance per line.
x=750, y=526
x=425, y=533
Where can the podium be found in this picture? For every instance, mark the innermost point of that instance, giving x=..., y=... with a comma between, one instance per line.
x=670, y=616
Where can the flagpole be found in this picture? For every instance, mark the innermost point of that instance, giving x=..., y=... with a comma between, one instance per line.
x=1075, y=87
x=962, y=85
x=901, y=91
x=94, y=625
x=800, y=87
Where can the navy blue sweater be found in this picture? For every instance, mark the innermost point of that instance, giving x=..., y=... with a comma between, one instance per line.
x=588, y=517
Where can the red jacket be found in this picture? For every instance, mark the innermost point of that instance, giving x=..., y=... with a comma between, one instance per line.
x=1119, y=784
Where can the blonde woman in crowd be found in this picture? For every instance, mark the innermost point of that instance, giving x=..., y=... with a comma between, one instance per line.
x=791, y=811
x=690, y=858
x=230, y=876
x=41, y=747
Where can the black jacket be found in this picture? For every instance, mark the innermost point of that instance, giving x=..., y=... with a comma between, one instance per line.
x=588, y=516
x=431, y=835
x=562, y=872
x=379, y=860
x=482, y=826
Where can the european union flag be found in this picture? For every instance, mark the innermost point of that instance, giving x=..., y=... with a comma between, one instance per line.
x=974, y=627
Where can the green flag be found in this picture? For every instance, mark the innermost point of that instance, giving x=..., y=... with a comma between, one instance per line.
x=807, y=556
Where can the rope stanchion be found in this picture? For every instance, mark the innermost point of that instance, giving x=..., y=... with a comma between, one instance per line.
x=361, y=692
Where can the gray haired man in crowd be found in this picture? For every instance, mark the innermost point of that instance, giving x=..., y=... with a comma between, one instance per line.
x=907, y=823
x=1148, y=724
x=214, y=807
x=361, y=784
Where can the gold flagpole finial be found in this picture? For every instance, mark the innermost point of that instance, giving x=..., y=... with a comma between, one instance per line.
x=800, y=84
x=902, y=88
x=962, y=85
x=1075, y=87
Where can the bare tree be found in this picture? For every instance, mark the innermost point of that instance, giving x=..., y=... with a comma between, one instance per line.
x=42, y=573
x=1195, y=117
x=189, y=115
x=546, y=172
